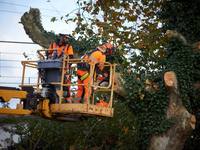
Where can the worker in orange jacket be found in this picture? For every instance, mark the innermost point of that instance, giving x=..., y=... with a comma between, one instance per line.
x=62, y=44
x=98, y=54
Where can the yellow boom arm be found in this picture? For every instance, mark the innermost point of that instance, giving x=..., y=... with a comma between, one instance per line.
x=6, y=95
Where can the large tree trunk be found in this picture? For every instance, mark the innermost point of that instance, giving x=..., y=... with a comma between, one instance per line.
x=34, y=29
x=176, y=135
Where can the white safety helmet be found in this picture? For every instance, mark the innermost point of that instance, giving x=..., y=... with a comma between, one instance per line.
x=66, y=35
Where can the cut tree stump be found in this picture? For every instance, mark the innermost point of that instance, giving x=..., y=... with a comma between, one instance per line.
x=184, y=122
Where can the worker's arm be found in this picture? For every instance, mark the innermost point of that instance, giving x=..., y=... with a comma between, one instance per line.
x=71, y=55
x=102, y=72
x=48, y=53
x=100, y=69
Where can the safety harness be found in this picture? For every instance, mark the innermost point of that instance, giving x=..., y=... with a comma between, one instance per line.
x=55, y=55
x=86, y=66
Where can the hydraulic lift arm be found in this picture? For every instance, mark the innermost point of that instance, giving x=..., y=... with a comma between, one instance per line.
x=6, y=95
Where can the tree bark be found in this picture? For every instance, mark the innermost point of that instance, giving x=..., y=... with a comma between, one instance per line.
x=176, y=135
x=118, y=85
x=34, y=29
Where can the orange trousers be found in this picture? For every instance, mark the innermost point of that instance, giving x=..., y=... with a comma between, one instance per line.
x=81, y=88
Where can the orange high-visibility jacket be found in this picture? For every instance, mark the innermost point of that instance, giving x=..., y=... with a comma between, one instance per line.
x=66, y=48
x=95, y=55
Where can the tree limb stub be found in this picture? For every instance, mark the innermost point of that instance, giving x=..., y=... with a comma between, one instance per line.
x=169, y=78
x=176, y=135
x=33, y=28
x=119, y=81
x=175, y=34
x=118, y=85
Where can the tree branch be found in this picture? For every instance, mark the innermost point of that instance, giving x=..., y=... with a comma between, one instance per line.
x=38, y=139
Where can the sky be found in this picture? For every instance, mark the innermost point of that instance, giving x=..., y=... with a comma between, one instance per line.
x=11, y=54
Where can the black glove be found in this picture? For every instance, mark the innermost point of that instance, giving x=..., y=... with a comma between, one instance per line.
x=106, y=78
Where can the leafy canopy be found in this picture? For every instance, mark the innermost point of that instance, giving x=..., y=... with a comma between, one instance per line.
x=137, y=29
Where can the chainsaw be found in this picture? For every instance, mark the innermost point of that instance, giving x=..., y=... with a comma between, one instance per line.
x=103, y=81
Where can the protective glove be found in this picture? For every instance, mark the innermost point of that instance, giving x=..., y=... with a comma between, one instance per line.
x=106, y=79
x=105, y=75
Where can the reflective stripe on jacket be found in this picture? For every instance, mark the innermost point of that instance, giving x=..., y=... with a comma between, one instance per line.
x=95, y=55
x=66, y=48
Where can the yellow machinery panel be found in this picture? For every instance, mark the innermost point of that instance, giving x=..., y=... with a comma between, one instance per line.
x=14, y=111
x=80, y=109
x=6, y=95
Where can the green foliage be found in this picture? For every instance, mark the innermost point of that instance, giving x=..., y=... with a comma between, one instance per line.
x=50, y=35
x=119, y=132
x=49, y=134
x=183, y=17
x=5, y=105
x=84, y=43
x=148, y=58
x=184, y=62
x=18, y=126
x=149, y=106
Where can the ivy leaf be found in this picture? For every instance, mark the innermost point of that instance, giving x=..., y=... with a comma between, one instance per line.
x=53, y=19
